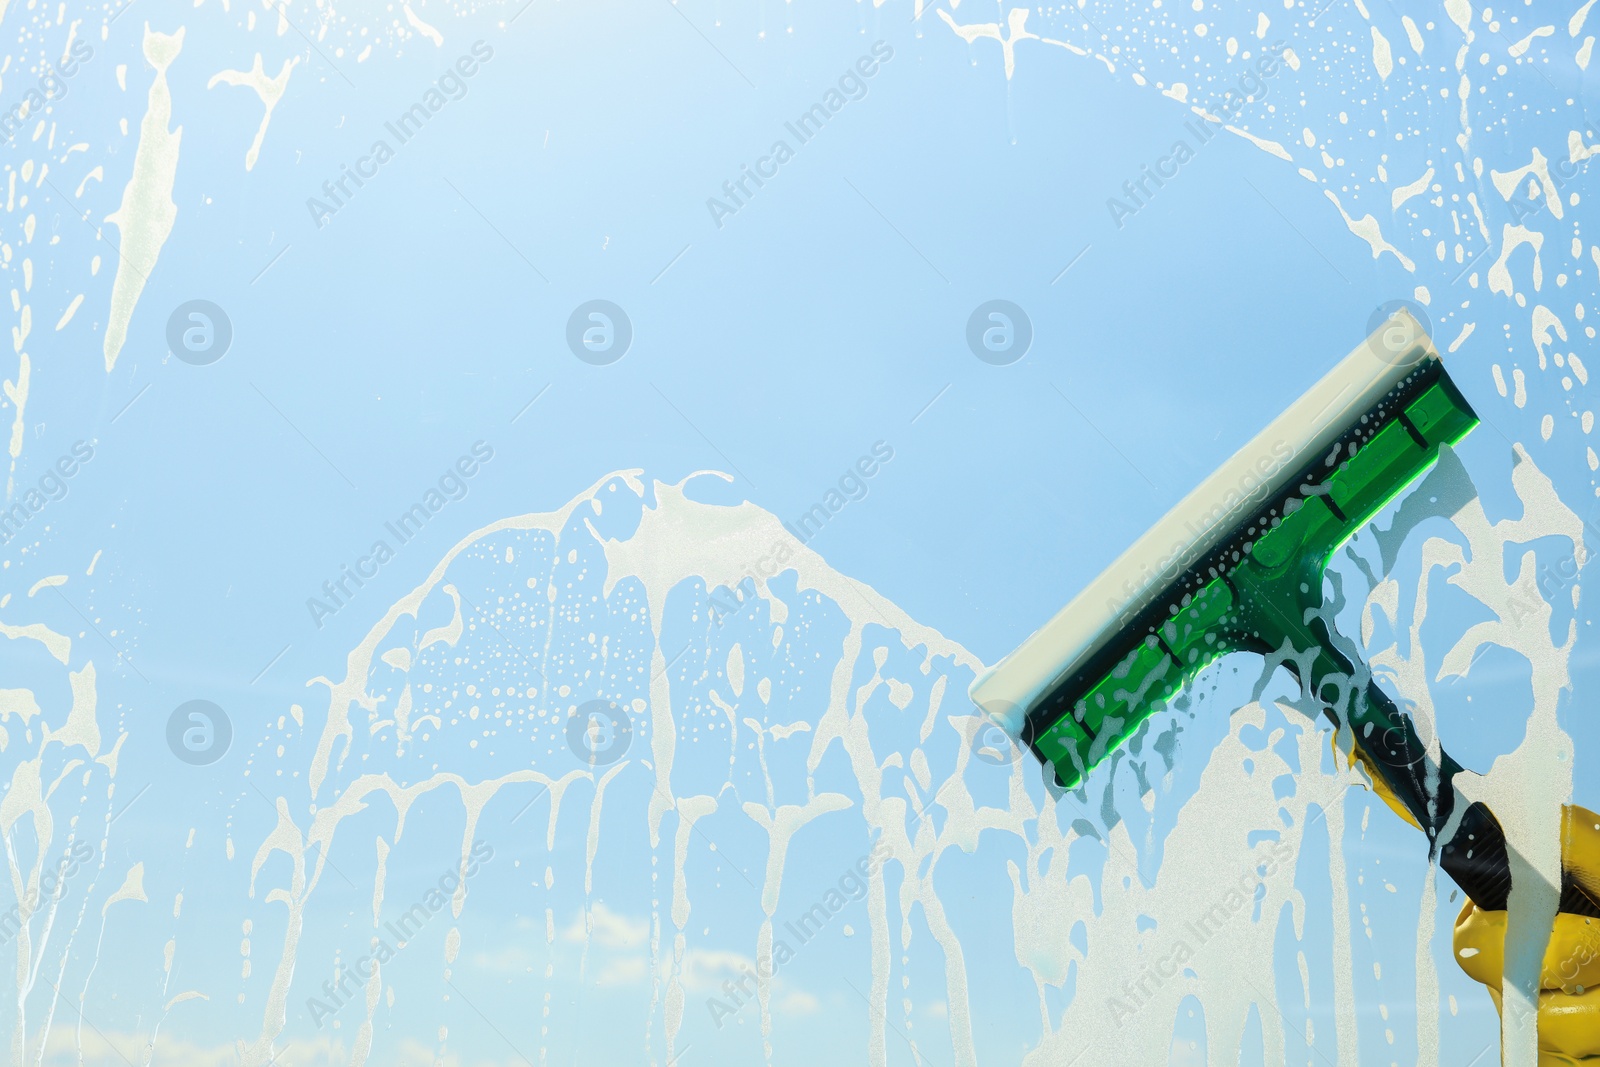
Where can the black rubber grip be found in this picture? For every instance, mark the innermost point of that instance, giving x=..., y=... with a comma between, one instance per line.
x=1477, y=854
x=1477, y=858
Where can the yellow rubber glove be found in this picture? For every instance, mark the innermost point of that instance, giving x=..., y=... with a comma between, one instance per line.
x=1569, y=982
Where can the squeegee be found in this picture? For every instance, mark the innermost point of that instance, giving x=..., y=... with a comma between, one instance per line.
x=1237, y=566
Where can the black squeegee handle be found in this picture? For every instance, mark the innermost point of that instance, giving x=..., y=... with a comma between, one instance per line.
x=1477, y=855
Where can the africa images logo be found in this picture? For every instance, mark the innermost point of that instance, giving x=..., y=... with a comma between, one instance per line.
x=851, y=85
x=451, y=85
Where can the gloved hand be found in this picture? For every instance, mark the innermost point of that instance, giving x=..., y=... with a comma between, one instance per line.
x=1569, y=982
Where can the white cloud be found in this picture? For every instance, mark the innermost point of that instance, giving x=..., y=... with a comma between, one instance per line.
x=625, y=940
x=611, y=929
x=630, y=970
x=799, y=1003
x=98, y=1048
x=705, y=968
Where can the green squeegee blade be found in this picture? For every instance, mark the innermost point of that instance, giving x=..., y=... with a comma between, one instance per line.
x=1254, y=590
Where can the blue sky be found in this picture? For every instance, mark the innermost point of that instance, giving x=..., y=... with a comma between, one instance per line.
x=828, y=314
